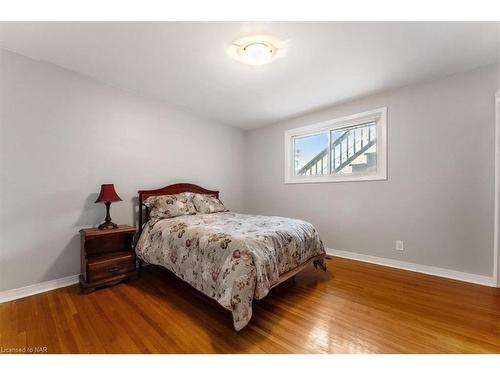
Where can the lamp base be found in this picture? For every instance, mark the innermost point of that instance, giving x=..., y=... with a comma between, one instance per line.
x=107, y=225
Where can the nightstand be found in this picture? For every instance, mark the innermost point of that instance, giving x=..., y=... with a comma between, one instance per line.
x=107, y=257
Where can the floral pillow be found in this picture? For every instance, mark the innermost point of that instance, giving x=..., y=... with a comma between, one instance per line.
x=207, y=204
x=167, y=206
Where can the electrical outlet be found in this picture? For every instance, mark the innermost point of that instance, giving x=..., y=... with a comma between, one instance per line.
x=400, y=245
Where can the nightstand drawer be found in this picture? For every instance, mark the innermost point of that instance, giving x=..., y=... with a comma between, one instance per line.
x=104, y=268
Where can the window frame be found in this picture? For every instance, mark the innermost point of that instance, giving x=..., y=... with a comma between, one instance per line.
x=378, y=115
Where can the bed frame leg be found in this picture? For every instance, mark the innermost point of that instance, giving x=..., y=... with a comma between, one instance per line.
x=320, y=263
x=140, y=266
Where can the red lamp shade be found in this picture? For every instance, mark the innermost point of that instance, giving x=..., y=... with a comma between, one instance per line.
x=108, y=194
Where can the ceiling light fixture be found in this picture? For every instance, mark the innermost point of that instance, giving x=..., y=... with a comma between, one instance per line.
x=257, y=53
x=256, y=50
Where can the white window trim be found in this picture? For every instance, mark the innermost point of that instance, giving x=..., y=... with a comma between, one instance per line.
x=379, y=115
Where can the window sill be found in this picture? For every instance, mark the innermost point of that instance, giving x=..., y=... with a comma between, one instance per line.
x=326, y=179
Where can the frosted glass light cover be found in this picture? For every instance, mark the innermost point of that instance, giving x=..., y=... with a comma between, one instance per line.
x=257, y=53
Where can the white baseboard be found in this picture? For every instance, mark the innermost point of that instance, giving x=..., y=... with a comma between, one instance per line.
x=415, y=267
x=25, y=291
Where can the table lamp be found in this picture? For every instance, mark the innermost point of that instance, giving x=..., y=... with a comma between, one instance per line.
x=108, y=195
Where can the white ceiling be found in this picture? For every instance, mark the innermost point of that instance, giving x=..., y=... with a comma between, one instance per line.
x=186, y=65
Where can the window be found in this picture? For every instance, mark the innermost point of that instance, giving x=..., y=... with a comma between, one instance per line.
x=351, y=148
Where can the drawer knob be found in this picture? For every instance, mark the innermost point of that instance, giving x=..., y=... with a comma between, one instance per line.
x=112, y=269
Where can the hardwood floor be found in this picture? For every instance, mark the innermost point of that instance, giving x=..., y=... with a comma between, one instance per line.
x=353, y=308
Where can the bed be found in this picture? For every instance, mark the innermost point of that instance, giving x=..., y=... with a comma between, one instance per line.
x=229, y=257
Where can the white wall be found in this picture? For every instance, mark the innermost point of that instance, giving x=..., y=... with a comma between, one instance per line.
x=439, y=196
x=62, y=135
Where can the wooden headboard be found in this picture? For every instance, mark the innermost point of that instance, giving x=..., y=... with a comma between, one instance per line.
x=170, y=189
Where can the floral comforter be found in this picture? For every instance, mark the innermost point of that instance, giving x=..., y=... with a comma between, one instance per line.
x=230, y=257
